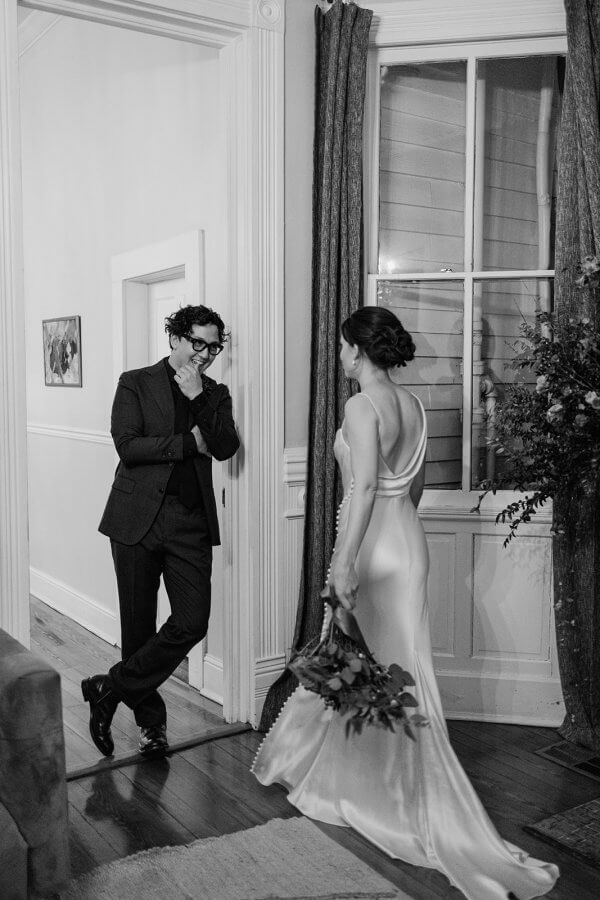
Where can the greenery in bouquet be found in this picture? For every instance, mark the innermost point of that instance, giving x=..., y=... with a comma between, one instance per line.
x=343, y=672
x=548, y=433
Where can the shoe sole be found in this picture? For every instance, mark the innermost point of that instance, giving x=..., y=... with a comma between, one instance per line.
x=154, y=754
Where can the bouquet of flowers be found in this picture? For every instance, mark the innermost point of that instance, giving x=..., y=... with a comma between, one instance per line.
x=339, y=667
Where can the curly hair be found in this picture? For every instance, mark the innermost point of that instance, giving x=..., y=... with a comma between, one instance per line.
x=183, y=320
x=377, y=332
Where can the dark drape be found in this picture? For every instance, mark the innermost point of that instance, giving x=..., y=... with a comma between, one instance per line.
x=577, y=516
x=342, y=36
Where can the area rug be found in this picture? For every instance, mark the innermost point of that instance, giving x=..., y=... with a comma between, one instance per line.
x=577, y=830
x=286, y=858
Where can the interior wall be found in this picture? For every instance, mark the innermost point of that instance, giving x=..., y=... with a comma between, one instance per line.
x=299, y=132
x=122, y=147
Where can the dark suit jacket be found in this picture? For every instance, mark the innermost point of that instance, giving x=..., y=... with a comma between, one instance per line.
x=142, y=426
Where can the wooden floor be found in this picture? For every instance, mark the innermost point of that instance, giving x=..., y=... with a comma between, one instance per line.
x=77, y=653
x=208, y=790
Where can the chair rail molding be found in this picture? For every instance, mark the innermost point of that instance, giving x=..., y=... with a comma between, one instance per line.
x=250, y=37
x=87, y=435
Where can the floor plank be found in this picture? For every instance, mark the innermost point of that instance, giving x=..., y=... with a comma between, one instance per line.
x=77, y=653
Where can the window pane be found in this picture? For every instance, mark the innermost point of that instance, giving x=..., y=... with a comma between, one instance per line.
x=517, y=111
x=433, y=313
x=422, y=168
x=499, y=308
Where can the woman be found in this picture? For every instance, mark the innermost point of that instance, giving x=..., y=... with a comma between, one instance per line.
x=410, y=798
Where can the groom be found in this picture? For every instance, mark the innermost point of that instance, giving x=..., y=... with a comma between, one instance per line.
x=168, y=421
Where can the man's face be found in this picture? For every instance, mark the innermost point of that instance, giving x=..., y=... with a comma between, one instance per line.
x=183, y=350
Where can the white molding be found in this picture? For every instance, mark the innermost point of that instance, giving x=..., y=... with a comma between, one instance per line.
x=267, y=671
x=403, y=22
x=36, y=26
x=256, y=281
x=213, y=23
x=77, y=606
x=295, y=464
x=14, y=544
x=268, y=14
x=465, y=695
x=71, y=434
x=212, y=684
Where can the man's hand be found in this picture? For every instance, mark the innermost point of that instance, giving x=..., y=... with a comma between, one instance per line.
x=200, y=442
x=189, y=380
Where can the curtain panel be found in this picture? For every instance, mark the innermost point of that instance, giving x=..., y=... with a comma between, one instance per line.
x=342, y=38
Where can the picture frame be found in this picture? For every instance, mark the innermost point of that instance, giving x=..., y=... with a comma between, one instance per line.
x=62, y=351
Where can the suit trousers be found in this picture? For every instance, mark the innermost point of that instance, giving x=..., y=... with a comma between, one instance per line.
x=178, y=547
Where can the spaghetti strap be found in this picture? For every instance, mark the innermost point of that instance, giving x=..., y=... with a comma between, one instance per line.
x=362, y=394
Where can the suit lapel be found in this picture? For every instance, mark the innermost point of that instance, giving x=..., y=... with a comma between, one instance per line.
x=161, y=391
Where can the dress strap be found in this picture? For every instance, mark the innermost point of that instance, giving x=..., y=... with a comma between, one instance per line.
x=361, y=394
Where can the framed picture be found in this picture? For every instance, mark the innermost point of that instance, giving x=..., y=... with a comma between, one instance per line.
x=62, y=351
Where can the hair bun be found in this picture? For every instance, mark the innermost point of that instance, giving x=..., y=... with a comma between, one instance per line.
x=391, y=346
x=380, y=335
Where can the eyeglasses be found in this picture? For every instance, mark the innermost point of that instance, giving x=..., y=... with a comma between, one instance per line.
x=200, y=346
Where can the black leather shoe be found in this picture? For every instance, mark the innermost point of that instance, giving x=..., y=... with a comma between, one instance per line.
x=103, y=703
x=153, y=741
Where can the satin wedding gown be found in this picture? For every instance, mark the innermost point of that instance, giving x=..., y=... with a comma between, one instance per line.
x=411, y=799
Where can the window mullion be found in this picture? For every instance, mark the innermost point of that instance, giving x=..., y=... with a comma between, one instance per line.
x=470, y=124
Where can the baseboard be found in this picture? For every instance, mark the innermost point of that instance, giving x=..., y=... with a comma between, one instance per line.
x=212, y=686
x=515, y=701
x=79, y=607
x=267, y=671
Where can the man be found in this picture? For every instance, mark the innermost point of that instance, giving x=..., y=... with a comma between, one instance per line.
x=168, y=421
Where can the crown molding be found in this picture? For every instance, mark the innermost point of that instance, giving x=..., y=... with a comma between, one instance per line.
x=211, y=22
x=402, y=22
x=33, y=28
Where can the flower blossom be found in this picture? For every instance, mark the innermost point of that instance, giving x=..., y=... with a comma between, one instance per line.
x=554, y=412
x=593, y=399
x=541, y=383
x=580, y=420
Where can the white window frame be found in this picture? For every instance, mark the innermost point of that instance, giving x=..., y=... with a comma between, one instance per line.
x=460, y=500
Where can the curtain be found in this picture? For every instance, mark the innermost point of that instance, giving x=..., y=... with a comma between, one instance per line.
x=342, y=37
x=576, y=544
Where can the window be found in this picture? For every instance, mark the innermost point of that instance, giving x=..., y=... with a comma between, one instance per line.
x=461, y=228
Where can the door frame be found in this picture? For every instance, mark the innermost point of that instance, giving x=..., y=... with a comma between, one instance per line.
x=250, y=38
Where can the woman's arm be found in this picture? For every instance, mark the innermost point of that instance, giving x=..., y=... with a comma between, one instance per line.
x=417, y=485
x=363, y=440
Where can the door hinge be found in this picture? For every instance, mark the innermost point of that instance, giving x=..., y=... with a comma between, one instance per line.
x=223, y=497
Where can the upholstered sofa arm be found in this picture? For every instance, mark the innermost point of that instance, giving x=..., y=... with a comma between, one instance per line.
x=33, y=788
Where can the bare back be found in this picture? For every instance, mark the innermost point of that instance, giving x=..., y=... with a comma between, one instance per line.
x=400, y=423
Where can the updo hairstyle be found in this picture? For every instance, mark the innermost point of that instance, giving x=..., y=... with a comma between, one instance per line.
x=377, y=332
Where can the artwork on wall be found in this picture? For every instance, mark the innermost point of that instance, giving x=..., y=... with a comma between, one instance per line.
x=62, y=351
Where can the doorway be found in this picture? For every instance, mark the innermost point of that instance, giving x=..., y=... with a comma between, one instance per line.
x=110, y=187
x=249, y=44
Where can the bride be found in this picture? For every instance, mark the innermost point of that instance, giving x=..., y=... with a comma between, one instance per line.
x=411, y=799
